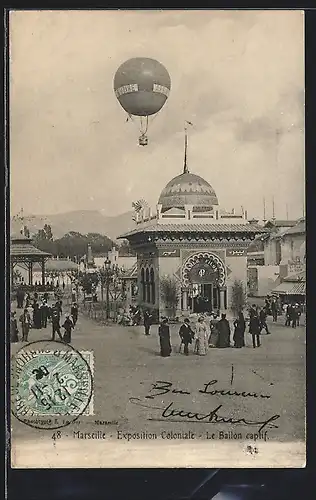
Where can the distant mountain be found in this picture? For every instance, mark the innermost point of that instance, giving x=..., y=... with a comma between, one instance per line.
x=83, y=221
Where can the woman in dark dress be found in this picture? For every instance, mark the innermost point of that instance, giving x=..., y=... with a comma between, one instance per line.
x=68, y=326
x=239, y=332
x=37, y=316
x=223, y=332
x=164, y=337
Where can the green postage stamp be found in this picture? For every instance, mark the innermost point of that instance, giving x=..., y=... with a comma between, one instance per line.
x=51, y=381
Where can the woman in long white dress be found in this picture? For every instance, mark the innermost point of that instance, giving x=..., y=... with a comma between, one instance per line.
x=201, y=335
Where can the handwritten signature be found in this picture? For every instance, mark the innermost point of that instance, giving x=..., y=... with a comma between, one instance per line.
x=211, y=417
x=162, y=387
x=172, y=413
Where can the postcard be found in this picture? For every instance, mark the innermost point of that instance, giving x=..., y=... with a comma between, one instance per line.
x=157, y=238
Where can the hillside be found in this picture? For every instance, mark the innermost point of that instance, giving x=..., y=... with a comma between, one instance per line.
x=83, y=221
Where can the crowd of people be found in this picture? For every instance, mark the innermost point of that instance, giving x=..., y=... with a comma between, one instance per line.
x=214, y=330
x=37, y=313
x=203, y=336
x=211, y=330
x=49, y=286
x=293, y=314
x=292, y=311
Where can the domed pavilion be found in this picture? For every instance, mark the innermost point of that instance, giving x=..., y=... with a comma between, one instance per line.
x=192, y=243
x=188, y=190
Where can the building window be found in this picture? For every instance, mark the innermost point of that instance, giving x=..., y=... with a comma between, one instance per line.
x=152, y=285
x=147, y=286
x=143, y=287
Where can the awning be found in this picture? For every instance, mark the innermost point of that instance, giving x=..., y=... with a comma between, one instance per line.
x=300, y=276
x=288, y=288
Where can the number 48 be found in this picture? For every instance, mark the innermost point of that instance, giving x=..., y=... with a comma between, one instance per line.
x=56, y=435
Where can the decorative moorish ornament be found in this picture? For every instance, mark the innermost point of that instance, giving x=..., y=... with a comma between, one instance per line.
x=203, y=267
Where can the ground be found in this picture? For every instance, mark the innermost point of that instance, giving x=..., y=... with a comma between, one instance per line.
x=127, y=364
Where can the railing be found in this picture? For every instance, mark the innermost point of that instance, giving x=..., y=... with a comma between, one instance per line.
x=97, y=311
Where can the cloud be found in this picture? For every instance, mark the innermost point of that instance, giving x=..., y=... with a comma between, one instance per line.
x=237, y=75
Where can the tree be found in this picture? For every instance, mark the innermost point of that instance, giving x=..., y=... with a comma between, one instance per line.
x=46, y=246
x=99, y=242
x=238, y=298
x=170, y=293
x=88, y=282
x=44, y=234
x=73, y=244
x=43, y=240
x=48, y=232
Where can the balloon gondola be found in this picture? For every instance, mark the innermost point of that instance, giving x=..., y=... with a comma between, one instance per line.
x=142, y=86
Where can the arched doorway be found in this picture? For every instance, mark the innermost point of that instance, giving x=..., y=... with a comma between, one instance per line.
x=203, y=278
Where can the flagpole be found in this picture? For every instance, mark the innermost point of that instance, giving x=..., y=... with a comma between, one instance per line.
x=264, y=211
x=185, y=166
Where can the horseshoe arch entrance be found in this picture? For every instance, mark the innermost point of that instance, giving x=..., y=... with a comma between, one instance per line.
x=203, y=279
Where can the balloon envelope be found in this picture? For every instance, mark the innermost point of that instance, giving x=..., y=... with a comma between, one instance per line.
x=142, y=86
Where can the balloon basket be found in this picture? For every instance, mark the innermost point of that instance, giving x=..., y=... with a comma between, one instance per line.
x=143, y=140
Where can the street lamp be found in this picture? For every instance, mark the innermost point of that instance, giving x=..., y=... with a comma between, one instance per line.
x=108, y=274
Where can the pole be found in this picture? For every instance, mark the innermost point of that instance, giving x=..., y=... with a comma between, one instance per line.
x=31, y=273
x=264, y=211
x=107, y=298
x=185, y=167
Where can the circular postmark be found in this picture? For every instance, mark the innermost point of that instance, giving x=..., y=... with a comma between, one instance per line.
x=51, y=384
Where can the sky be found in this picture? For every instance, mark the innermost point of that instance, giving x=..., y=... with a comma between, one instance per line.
x=238, y=76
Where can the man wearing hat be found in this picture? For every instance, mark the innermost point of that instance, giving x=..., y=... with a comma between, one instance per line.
x=55, y=315
x=186, y=335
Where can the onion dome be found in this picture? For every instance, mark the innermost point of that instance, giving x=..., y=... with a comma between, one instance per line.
x=188, y=189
